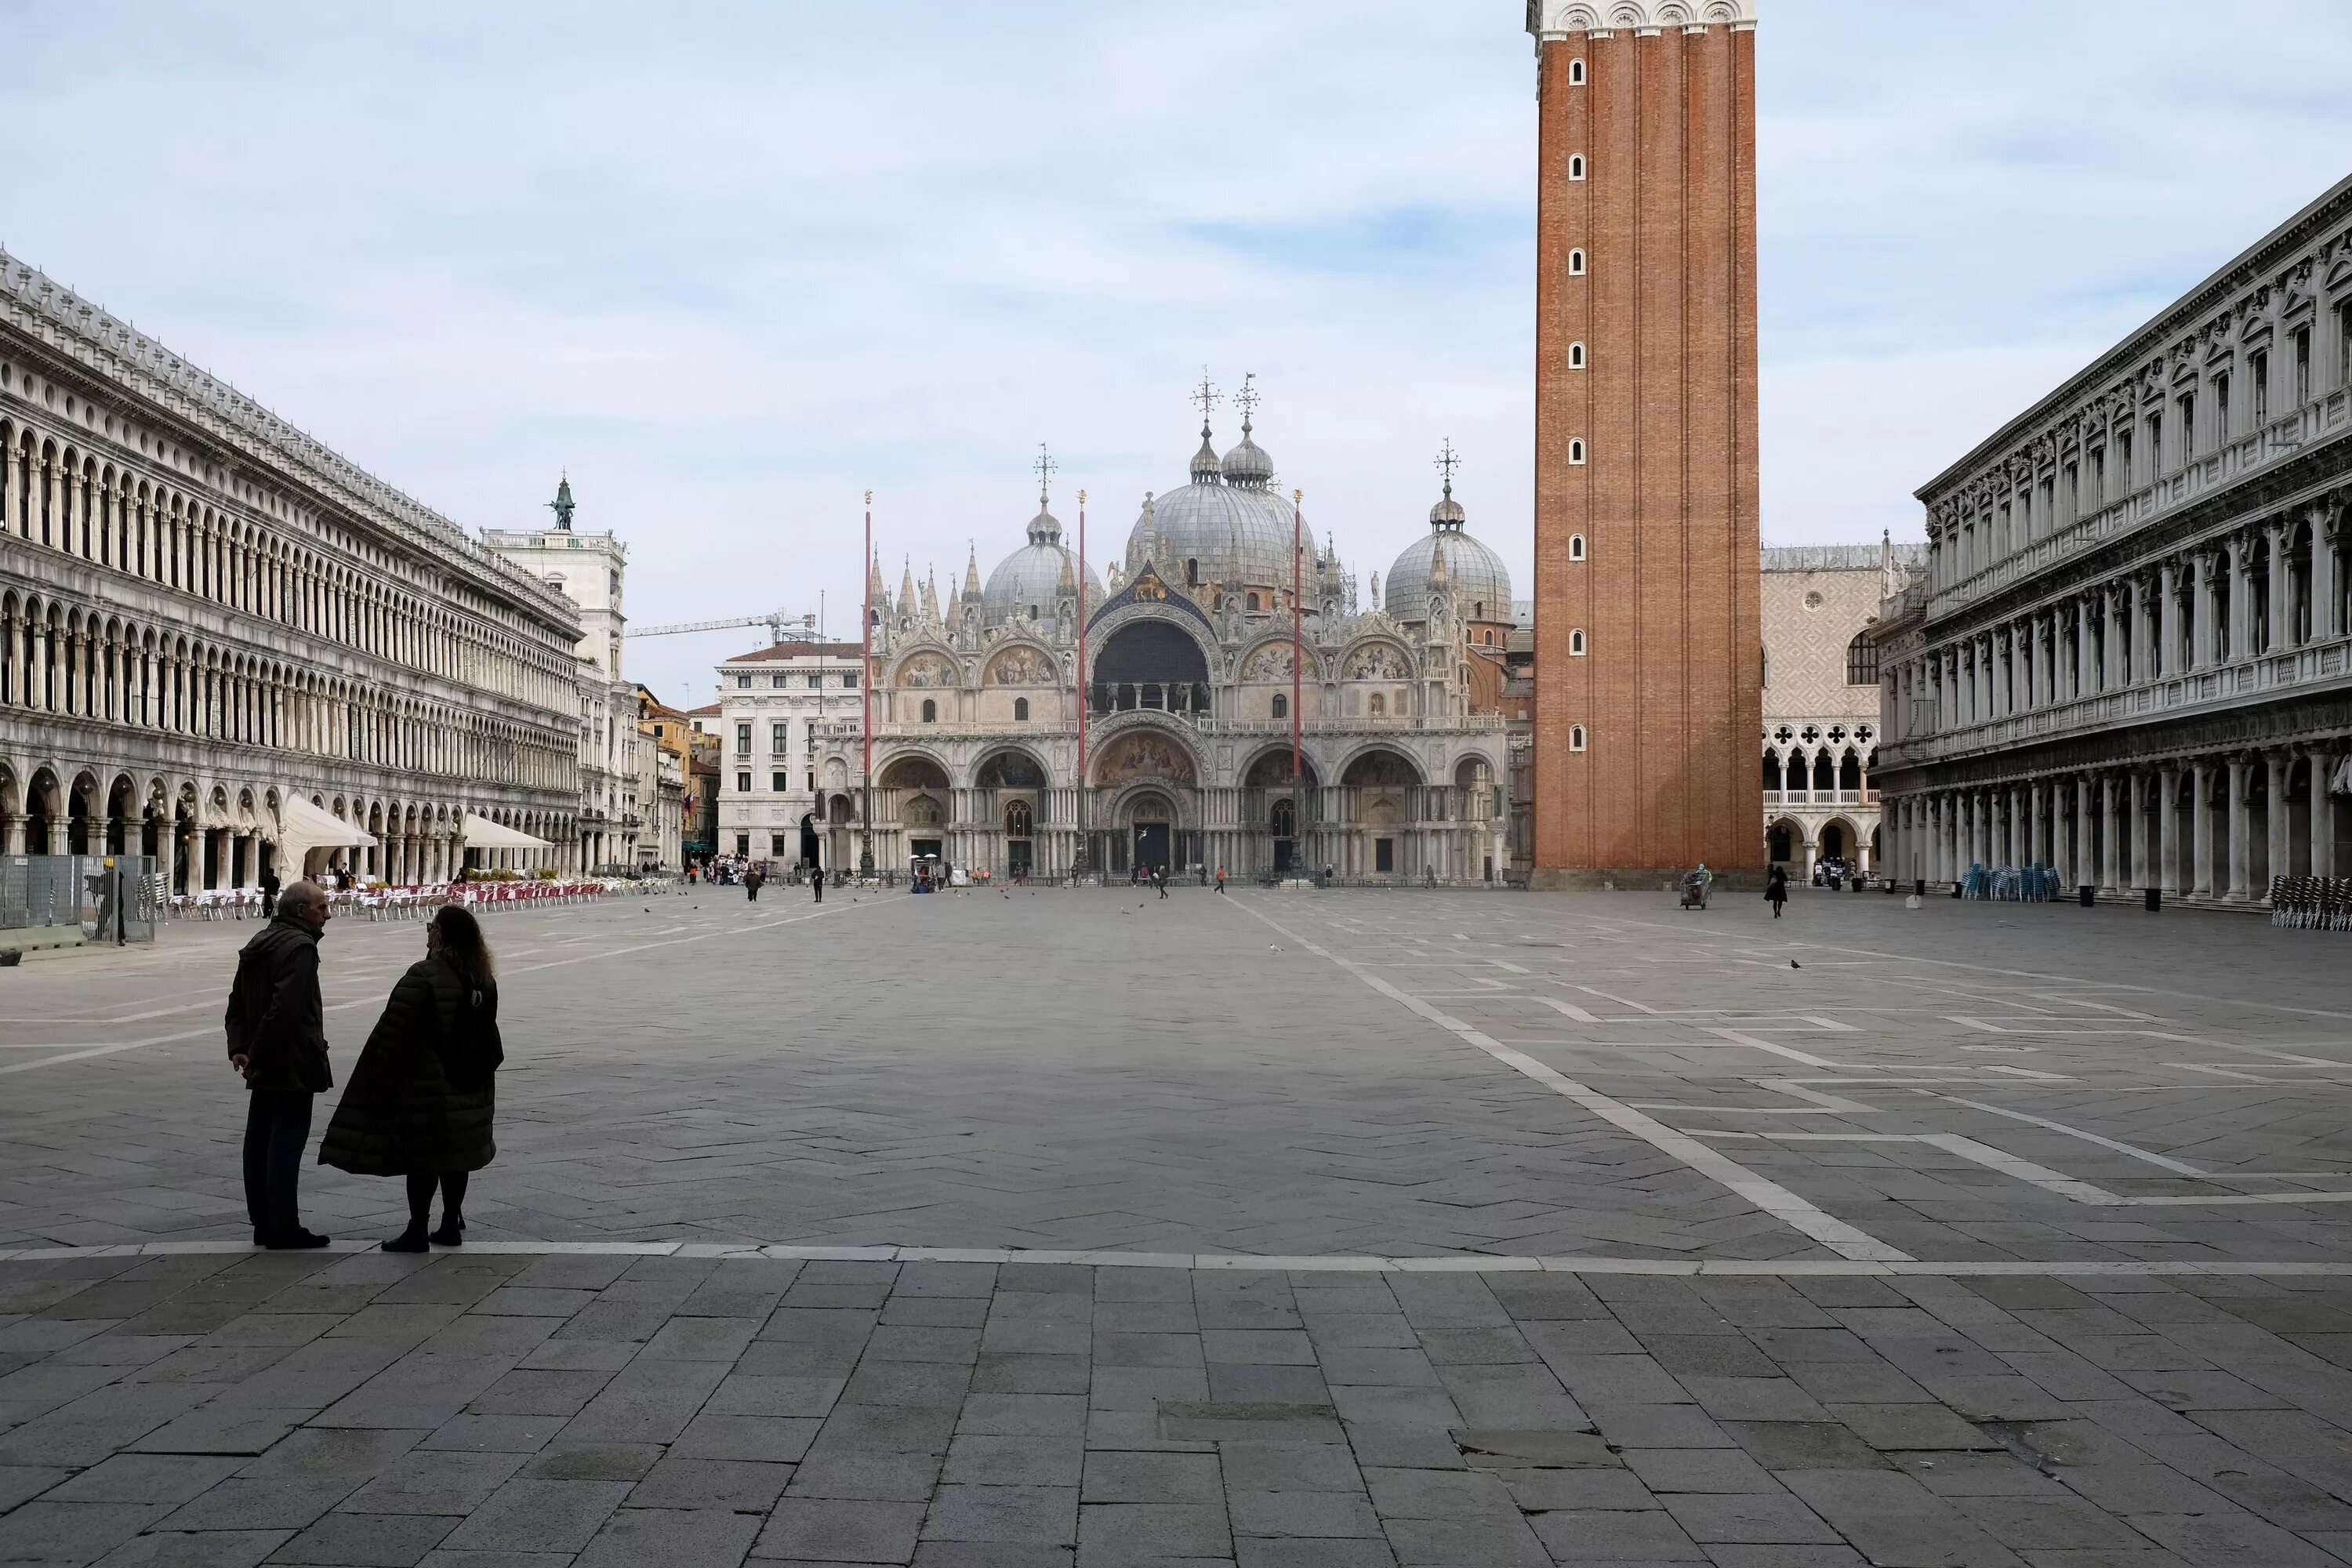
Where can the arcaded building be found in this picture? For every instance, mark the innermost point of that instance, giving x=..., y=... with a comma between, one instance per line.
x=2131, y=660
x=226, y=647
x=1821, y=720
x=1190, y=689
x=1646, y=628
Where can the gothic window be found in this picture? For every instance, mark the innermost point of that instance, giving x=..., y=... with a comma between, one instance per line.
x=1576, y=166
x=1576, y=737
x=1862, y=660
x=1281, y=705
x=1019, y=821
x=1576, y=453
x=1576, y=547
x=1576, y=356
x=1576, y=73
x=1021, y=709
x=1771, y=770
x=1576, y=263
x=931, y=711
x=1575, y=643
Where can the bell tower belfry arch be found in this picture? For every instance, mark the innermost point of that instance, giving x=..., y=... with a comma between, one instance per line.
x=1648, y=620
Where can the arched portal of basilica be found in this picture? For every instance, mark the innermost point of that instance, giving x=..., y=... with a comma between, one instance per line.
x=1188, y=687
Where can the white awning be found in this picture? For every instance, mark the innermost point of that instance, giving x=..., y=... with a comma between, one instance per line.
x=481, y=833
x=315, y=828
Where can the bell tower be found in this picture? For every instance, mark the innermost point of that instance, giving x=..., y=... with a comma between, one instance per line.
x=1648, y=624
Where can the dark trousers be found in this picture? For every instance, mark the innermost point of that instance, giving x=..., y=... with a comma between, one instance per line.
x=277, y=1130
x=820, y=887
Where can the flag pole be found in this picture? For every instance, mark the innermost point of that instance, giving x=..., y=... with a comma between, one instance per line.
x=1085, y=849
x=1297, y=667
x=865, y=706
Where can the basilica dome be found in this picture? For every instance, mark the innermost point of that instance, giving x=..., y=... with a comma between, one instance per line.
x=1226, y=526
x=1026, y=581
x=1482, y=584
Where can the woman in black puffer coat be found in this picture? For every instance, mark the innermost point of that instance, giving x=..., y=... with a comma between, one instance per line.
x=420, y=1100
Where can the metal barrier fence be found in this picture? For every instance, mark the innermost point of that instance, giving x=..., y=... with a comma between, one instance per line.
x=2312, y=903
x=47, y=899
x=2010, y=883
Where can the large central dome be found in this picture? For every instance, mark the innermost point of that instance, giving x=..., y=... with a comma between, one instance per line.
x=1226, y=526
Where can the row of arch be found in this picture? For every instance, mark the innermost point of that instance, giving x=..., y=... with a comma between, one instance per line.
x=1826, y=768
x=226, y=834
x=55, y=494
x=60, y=657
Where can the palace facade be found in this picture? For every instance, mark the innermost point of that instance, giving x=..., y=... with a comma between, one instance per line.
x=2131, y=658
x=226, y=647
x=1188, y=680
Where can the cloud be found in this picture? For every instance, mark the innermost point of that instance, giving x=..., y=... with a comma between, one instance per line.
x=736, y=263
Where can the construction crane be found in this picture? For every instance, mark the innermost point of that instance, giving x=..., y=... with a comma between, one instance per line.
x=782, y=627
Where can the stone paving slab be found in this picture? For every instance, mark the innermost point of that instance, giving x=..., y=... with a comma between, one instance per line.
x=1365, y=1228
x=1522, y=1418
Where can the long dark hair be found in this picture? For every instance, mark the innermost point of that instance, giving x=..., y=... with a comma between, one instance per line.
x=462, y=947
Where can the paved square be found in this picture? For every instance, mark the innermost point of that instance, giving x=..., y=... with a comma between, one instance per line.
x=1092, y=1228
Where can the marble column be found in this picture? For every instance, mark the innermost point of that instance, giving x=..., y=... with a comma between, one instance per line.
x=2324, y=625
x=2167, y=830
x=2322, y=825
x=2282, y=631
x=2241, y=830
x=2279, y=817
x=2241, y=641
x=2200, y=830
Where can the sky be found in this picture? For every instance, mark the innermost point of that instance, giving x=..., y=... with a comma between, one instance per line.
x=732, y=265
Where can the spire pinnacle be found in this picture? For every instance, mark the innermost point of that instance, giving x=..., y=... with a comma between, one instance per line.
x=1207, y=397
x=1045, y=467
x=1246, y=399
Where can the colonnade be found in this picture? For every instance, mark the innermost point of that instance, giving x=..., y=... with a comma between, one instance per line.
x=2218, y=826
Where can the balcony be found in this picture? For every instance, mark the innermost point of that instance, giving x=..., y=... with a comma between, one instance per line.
x=2235, y=459
x=1776, y=799
x=2320, y=666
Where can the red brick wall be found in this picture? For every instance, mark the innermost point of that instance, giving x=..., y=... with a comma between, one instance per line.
x=1668, y=690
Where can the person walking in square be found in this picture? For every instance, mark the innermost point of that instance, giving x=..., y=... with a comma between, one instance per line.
x=276, y=1034
x=1221, y=879
x=269, y=886
x=1160, y=877
x=817, y=882
x=1776, y=888
x=751, y=881
x=422, y=1098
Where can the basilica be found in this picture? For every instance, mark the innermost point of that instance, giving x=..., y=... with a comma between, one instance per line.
x=1191, y=672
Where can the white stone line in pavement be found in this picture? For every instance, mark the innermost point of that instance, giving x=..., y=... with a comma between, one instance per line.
x=2178, y=1166
x=2071, y=979
x=1845, y=1240
x=373, y=1001
x=1803, y=1058
x=1227, y=1262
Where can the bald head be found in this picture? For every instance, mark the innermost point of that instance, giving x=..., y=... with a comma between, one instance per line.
x=305, y=903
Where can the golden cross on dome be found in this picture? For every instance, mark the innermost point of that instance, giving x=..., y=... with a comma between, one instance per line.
x=1045, y=467
x=1447, y=461
x=1246, y=398
x=1206, y=396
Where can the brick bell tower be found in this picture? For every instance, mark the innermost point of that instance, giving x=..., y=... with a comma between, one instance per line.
x=1649, y=660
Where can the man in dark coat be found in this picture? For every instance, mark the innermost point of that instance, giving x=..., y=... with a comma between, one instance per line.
x=278, y=1043
x=816, y=881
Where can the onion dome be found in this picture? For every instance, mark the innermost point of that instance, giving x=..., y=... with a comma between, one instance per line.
x=1248, y=464
x=1026, y=582
x=1206, y=468
x=1448, y=556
